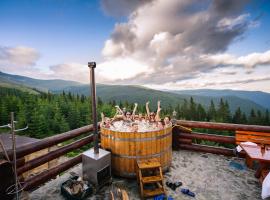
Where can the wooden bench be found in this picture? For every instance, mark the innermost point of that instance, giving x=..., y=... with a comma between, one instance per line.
x=256, y=137
x=259, y=138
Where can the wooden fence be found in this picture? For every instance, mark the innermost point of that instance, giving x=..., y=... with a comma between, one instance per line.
x=186, y=140
x=182, y=140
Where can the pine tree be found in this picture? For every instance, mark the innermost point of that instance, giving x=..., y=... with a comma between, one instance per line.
x=211, y=114
x=185, y=110
x=201, y=114
x=252, y=117
x=4, y=115
x=237, y=117
x=223, y=113
x=266, y=120
x=73, y=118
x=192, y=109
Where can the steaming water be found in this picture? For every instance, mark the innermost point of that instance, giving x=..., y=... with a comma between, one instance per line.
x=126, y=126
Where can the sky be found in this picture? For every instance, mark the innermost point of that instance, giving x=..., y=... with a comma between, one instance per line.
x=172, y=44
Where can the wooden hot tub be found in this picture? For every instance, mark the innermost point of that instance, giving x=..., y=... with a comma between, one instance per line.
x=127, y=147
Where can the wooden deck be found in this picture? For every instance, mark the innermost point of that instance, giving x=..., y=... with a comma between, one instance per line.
x=209, y=176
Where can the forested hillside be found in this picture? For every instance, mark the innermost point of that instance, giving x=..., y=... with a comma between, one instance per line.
x=47, y=114
x=142, y=94
x=138, y=94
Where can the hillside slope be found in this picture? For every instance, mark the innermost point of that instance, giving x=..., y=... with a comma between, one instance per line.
x=142, y=94
x=44, y=85
x=131, y=93
x=261, y=98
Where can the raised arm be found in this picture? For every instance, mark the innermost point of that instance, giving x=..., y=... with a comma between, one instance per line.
x=134, y=109
x=118, y=110
x=157, y=117
x=147, y=109
x=102, y=118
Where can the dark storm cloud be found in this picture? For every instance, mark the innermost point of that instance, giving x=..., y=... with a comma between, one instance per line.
x=177, y=39
x=118, y=8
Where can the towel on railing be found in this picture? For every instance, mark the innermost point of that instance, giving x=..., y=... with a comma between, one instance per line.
x=266, y=187
x=238, y=148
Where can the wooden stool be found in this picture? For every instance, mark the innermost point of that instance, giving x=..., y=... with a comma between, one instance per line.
x=149, y=173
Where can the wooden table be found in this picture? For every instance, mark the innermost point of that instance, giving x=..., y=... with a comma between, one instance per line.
x=259, y=154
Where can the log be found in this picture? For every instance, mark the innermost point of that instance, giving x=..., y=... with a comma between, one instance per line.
x=54, y=154
x=209, y=137
x=34, y=182
x=20, y=162
x=184, y=140
x=207, y=149
x=50, y=141
x=223, y=126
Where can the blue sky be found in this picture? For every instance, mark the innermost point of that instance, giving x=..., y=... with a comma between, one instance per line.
x=60, y=30
x=256, y=39
x=172, y=45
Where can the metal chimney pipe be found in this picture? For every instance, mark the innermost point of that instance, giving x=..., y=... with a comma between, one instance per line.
x=92, y=66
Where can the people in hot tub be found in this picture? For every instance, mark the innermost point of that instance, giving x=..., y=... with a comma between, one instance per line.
x=125, y=121
x=167, y=121
x=105, y=121
x=160, y=125
x=153, y=117
x=134, y=127
x=125, y=115
x=134, y=111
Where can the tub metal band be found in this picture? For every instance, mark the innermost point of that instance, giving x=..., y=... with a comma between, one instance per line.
x=135, y=139
x=144, y=156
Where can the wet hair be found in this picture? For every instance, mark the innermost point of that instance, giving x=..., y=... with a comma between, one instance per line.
x=127, y=113
x=152, y=114
x=168, y=117
x=134, y=124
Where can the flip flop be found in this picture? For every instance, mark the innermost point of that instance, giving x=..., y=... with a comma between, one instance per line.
x=178, y=184
x=173, y=186
x=188, y=192
x=159, y=197
x=169, y=184
x=163, y=197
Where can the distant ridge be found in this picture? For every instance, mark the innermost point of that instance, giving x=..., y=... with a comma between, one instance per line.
x=137, y=94
x=261, y=98
x=44, y=85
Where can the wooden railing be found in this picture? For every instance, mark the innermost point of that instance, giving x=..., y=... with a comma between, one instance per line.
x=186, y=140
x=182, y=140
x=34, y=181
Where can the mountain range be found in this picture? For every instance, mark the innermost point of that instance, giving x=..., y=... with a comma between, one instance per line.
x=246, y=100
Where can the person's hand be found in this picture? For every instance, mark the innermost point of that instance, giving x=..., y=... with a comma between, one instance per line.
x=116, y=106
x=158, y=103
x=102, y=115
x=147, y=103
x=135, y=104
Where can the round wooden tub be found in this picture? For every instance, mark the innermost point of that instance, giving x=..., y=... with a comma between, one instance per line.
x=127, y=147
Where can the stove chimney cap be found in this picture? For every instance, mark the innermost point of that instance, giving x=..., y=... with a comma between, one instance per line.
x=92, y=64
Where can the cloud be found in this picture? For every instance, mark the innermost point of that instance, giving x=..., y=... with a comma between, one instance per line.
x=20, y=56
x=249, y=61
x=176, y=39
x=119, y=8
x=214, y=84
x=241, y=81
x=69, y=71
x=19, y=60
x=120, y=69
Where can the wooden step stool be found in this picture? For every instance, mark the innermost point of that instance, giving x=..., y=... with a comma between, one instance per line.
x=149, y=173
